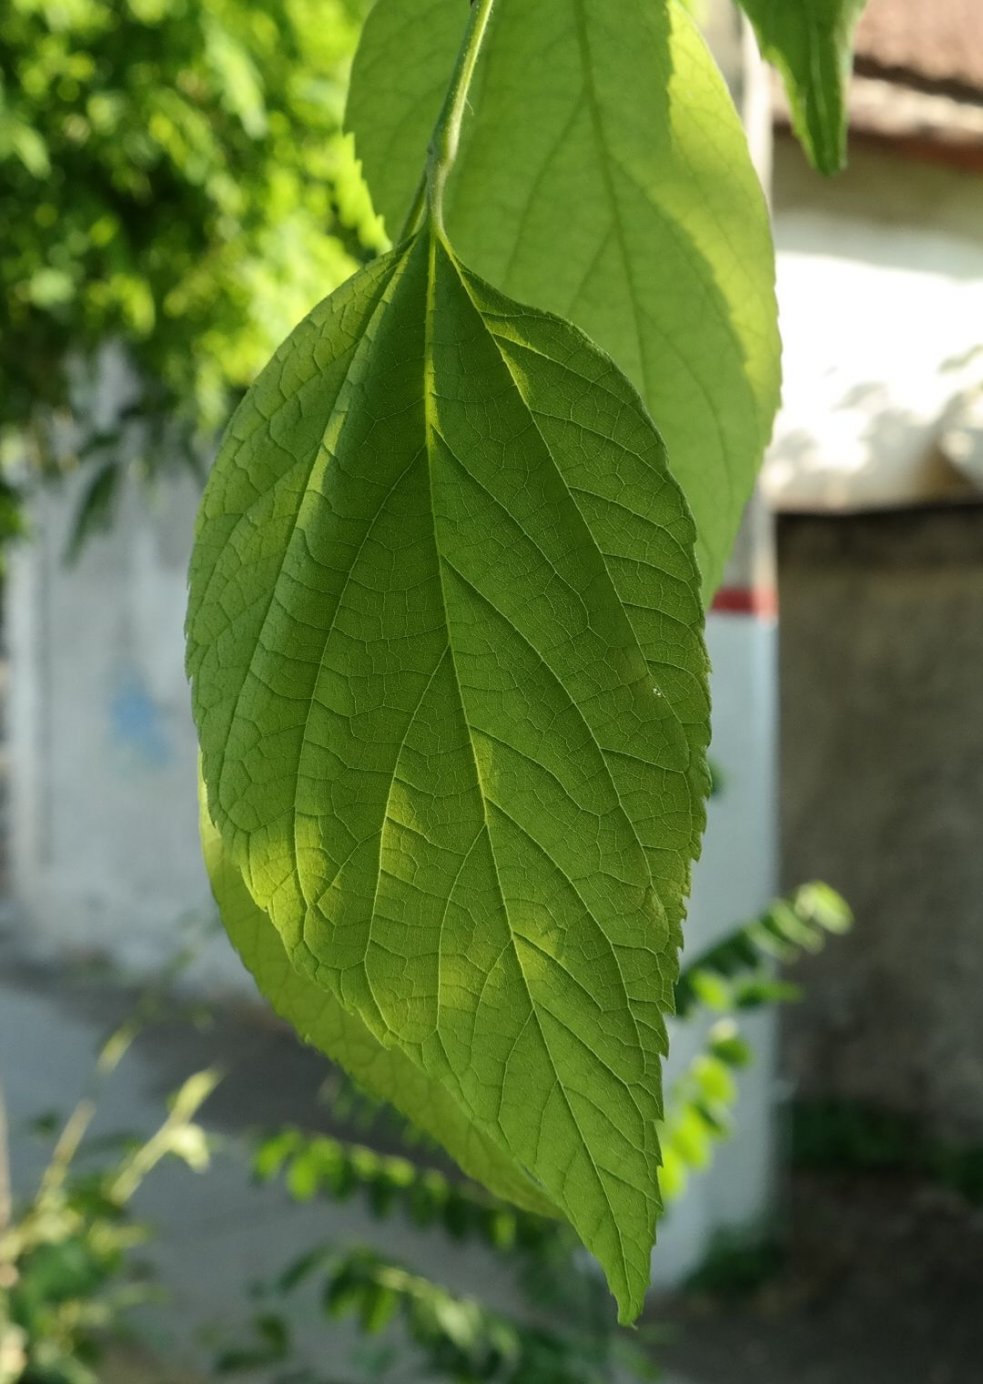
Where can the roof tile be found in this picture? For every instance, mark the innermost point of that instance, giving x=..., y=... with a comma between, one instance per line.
x=934, y=41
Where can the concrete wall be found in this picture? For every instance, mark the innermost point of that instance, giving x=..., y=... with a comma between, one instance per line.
x=882, y=795
x=886, y=190
x=734, y=880
x=881, y=292
x=104, y=839
x=881, y=284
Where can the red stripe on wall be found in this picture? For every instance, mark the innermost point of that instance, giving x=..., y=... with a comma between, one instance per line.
x=761, y=602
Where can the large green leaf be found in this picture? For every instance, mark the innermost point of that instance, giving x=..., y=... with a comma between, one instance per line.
x=445, y=642
x=811, y=44
x=604, y=176
x=320, y=1020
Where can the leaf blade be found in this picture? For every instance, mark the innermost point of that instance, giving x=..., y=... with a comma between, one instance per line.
x=453, y=713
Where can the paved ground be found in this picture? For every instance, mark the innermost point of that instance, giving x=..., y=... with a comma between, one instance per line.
x=881, y=1280
x=218, y=1233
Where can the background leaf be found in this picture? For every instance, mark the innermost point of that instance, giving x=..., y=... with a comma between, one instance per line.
x=739, y=971
x=448, y=674
x=604, y=176
x=811, y=44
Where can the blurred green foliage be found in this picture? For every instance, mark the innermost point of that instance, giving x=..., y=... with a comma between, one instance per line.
x=849, y=1136
x=738, y=971
x=68, y=1271
x=175, y=181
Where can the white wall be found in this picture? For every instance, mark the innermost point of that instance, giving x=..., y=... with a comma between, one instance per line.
x=734, y=881
x=105, y=854
x=881, y=291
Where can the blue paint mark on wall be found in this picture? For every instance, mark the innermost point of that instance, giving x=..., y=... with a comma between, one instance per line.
x=137, y=722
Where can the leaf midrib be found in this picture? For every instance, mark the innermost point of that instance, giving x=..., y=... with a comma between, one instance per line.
x=433, y=432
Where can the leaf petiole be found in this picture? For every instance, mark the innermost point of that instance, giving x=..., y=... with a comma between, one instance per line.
x=446, y=137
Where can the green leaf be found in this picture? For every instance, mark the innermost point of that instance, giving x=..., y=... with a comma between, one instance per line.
x=811, y=44
x=737, y=971
x=320, y=1021
x=699, y=1108
x=603, y=175
x=448, y=673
